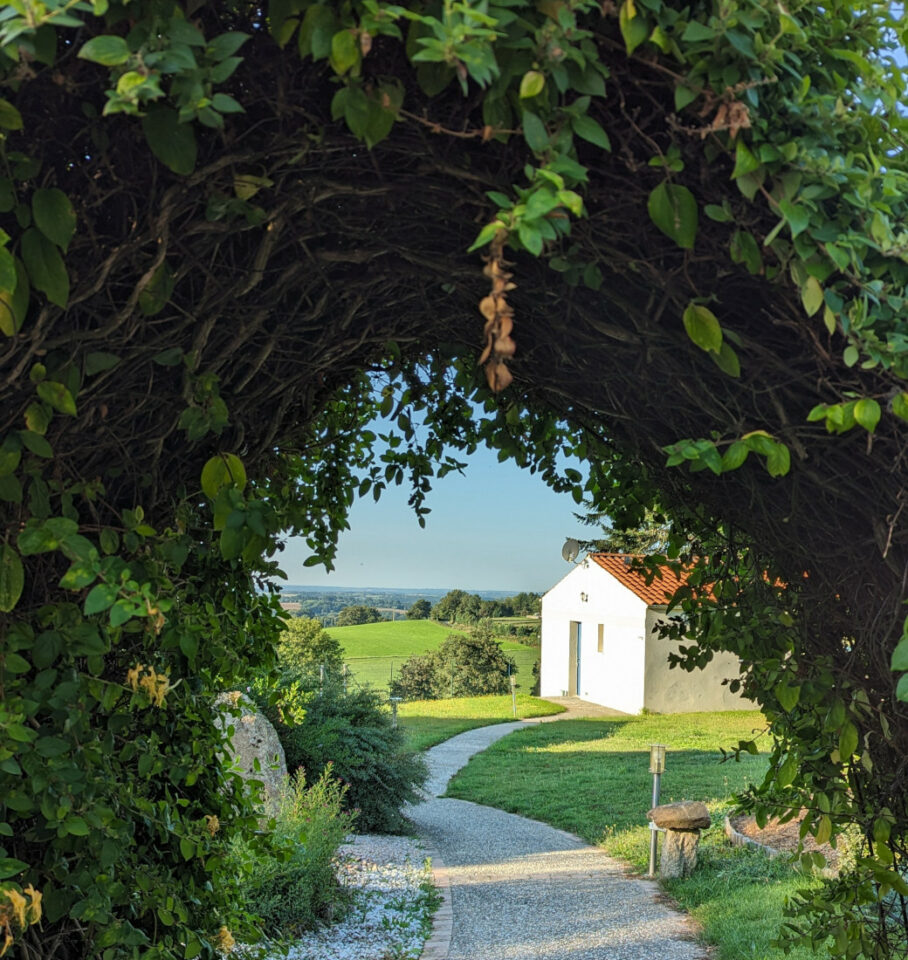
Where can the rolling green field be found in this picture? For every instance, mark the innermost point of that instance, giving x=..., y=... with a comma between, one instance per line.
x=373, y=650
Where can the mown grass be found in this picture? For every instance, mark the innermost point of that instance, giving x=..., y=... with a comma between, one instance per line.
x=384, y=647
x=428, y=722
x=591, y=777
x=391, y=638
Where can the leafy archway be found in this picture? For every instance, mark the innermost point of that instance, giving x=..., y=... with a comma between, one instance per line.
x=234, y=234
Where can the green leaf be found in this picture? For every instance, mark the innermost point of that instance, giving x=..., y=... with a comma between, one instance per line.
x=787, y=695
x=901, y=690
x=345, y=52
x=850, y=355
x=226, y=45
x=168, y=358
x=172, y=142
x=534, y=132
x=867, y=413
x=154, y=297
x=703, y=327
x=717, y=213
x=696, y=32
x=824, y=830
x=487, y=234
x=57, y=396
x=531, y=85
x=52, y=746
x=588, y=129
x=316, y=31
x=10, y=489
x=796, y=215
x=900, y=405
x=37, y=418
x=14, y=663
x=734, y=456
x=122, y=611
x=108, y=51
x=848, y=741
x=778, y=460
x=634, y=28
x=10, y=118
x=36, y=444
x=187, y=848
x=727, y=360
x=45, y=266
x=54, y=216
x=76, y=826
x=745, y=161
x=812, y=296
x=222, y=470
x=14, y=304
x=79, y=575
x=787, y=771
x=101, y=597
x=231, y=542
x=99, y=362
x=673, y=210
x=12, y=578
x=10, y=867
x=900, y=655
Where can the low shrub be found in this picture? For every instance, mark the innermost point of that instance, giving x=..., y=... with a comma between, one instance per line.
x=352, y=732
x=463, y=666
x=296, y=889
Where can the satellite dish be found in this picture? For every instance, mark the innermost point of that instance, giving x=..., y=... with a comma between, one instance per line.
x=570, y=550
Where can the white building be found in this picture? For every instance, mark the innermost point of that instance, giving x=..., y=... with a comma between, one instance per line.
x=600, y=643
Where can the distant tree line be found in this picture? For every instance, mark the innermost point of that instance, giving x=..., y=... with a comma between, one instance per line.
x=458, y=606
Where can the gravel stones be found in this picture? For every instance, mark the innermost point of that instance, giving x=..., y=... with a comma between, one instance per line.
x=389, y=915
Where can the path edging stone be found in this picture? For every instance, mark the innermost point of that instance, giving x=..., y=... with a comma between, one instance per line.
x=438, y=945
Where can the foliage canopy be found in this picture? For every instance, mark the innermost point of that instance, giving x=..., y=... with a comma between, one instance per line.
x=232, y=234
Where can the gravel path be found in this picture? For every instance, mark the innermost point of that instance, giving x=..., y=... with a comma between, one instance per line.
x=522, y=890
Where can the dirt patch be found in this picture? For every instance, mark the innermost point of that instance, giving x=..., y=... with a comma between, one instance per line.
x=784, y=837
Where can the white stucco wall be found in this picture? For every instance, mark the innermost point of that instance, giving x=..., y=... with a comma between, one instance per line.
x=614, y=677
x=679, y=691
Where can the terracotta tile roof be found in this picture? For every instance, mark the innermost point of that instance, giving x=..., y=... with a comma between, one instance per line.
x=619, y=565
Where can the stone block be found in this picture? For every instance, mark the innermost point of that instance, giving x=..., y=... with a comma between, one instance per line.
x=687, y=815
x=679, y=853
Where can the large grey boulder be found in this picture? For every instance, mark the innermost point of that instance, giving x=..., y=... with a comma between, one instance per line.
x=254, y=743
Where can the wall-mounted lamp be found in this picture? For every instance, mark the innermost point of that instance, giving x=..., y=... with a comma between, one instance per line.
x=584, y=597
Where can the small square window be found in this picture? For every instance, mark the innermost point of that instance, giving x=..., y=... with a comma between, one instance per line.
x=599, y=639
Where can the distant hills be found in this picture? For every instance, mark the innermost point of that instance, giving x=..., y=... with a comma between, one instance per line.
x=324, y=603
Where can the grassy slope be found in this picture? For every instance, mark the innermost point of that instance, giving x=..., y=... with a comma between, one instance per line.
x=389, y=643
x=591, y=777
x=391, y=638
x=428, y=722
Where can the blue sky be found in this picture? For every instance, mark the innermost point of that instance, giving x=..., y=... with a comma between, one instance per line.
x=496, y=527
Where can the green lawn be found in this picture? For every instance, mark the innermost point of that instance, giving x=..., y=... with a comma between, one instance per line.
x=373, y=650
x=428, y=722
x=591, y=777
x=391, y=638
